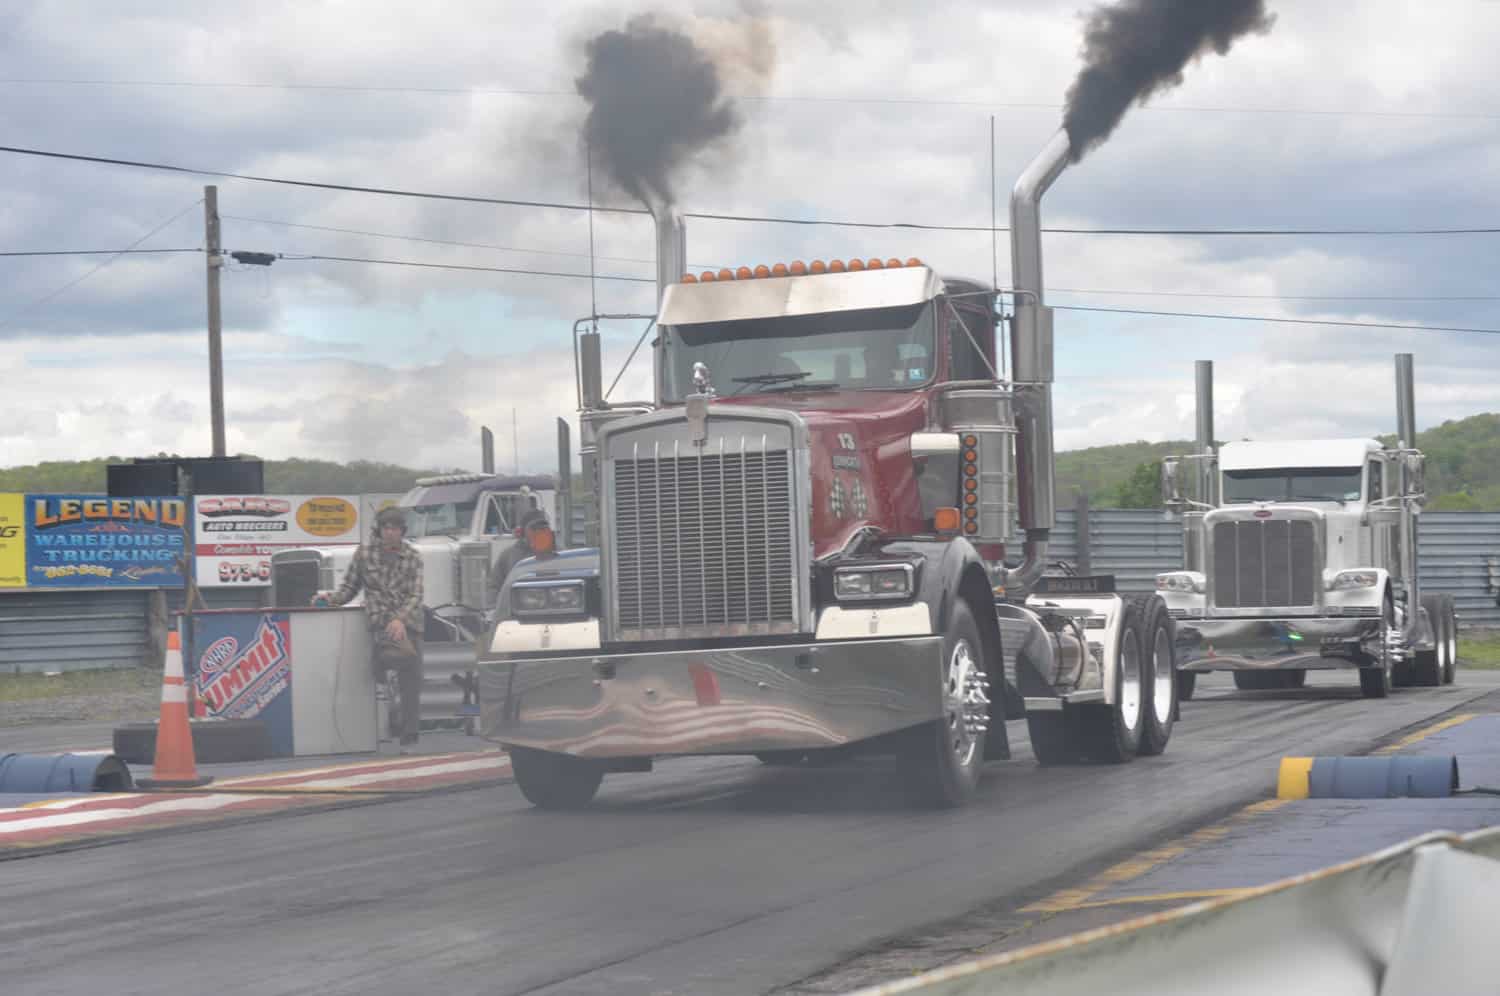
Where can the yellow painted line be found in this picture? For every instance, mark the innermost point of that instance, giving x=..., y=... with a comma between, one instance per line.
x=1165, y=897
x=1426, y=732
x=1292, y=780
x=1133, y=868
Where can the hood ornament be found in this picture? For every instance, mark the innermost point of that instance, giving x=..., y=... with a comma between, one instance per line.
x=702, y=380
x=697, y=404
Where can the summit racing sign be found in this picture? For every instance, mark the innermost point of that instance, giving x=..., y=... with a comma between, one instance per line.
x=244, y=670
x=88, y=541
x=237, y=534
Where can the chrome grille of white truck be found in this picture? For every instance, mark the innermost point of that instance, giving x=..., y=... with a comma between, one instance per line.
x=1265, y=563
x=701, y=540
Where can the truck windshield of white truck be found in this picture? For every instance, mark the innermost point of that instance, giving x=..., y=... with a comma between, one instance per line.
x=890, y=349
x=1338, y=484
x=448, y=519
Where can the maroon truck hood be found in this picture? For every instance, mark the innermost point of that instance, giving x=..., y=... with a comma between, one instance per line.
x=862, y=472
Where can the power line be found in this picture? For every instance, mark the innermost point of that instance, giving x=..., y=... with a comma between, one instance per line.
x=299, y=257
x=78, y=280
x=562, y=206
x=456, y=91
x=94, y=252
x=1279, y=297
x=435, y=242
x=1278, y=321
x=352, y=188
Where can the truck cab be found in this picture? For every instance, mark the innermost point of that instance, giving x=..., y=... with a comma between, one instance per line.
x=1303, y=558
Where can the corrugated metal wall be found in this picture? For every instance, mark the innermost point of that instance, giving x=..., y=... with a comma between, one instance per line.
x=65, y=630
x=1459, y=552
x=71, y=630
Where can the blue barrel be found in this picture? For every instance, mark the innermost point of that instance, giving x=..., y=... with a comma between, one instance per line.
x=33, y=773
x=1386, y=777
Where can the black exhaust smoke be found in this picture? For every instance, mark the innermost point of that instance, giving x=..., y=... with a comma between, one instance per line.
x=657, y=97
x=1137, y=48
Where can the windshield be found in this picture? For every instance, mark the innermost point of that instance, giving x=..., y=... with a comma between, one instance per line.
x=448, y=519
x=1300, y=484
x=869, y=350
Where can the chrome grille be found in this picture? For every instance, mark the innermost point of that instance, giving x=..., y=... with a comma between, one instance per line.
x=701, y=540
x=1265, y=563
x=294, y=582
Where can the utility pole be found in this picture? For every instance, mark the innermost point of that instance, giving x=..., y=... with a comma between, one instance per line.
x=215, y=345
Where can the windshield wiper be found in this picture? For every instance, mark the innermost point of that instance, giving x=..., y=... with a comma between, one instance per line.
x=773, y=378
x=1317, y=498
x=806, y=385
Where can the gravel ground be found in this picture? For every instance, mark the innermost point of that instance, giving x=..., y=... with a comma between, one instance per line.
x=139, y=699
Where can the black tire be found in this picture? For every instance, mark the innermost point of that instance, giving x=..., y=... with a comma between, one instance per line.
x=1427, y=665
x=1295, y=678
x=1159, y=681
x=1187, y=681
x=554, y=781
x=1375, y=677
x=1254, y=681
x=946, y=755
x=1112, y=733
x=1448, y=656
x=1053, y=741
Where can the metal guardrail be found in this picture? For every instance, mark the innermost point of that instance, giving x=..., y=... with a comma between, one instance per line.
x=1410, y=920
x=442, y=700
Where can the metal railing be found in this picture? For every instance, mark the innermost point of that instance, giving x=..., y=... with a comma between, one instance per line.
x=1410, y=920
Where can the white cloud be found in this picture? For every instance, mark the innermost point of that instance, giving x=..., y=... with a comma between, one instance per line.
x=348, y=360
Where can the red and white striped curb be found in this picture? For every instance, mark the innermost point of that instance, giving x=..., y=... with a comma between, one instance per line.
x=61, y=820
x=428, y=771
x=56, y=821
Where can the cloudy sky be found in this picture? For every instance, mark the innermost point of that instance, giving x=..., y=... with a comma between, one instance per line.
x=1375, y=115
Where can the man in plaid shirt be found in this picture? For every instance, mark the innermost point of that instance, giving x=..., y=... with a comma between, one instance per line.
x=389, y=570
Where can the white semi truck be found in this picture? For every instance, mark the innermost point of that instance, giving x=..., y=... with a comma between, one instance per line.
x=1301, y=556
x=461, y=524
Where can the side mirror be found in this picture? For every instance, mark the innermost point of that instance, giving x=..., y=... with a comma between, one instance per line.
x=1171, y=482
x=1416, y=473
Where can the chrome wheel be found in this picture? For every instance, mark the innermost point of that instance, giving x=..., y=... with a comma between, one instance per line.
x=1130, y=682
x=1449, y=647
x=1163, y=678
x=965, y=703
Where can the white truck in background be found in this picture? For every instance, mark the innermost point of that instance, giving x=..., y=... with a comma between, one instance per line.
x=461, y=524
x=1302, y=556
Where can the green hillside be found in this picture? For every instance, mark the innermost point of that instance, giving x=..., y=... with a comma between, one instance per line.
x=1463, y=471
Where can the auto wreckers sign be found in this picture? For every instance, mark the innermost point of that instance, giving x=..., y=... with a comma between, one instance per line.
x=235, y=535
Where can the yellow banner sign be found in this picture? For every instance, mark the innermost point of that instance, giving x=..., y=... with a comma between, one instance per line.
x=12, y=541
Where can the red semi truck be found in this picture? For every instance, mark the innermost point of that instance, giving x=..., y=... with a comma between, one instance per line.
x=804, y=542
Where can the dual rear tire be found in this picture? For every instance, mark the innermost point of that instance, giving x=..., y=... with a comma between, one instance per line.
x=1144, y=712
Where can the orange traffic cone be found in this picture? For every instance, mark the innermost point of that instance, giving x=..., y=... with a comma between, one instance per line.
x=175, y=766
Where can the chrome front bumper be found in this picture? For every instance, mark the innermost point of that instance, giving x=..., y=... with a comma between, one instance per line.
x=739, y=700
x=1275, y=644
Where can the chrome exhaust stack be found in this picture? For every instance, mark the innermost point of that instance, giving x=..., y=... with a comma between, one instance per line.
x=1406, y=439
x=1031, y=349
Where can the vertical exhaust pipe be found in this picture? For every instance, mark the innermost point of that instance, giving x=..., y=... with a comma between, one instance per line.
x=671, y=248
x=1204, y=369
x=1406, y=438
x=1406, y=402
x=1031, y=349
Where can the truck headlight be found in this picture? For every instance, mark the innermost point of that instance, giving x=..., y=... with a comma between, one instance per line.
x=1182, y=581
x=547, y=598
x=885, y=581
x=1350, y=580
